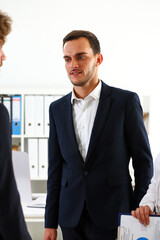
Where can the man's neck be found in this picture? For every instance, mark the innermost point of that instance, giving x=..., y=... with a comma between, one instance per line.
x=83, y=91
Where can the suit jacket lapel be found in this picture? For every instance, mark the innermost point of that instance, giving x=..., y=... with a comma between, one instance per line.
x=70, y=126
x=101, y=116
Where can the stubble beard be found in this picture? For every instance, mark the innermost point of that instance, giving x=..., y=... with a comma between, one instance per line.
x=80, y=84
x=86, y=79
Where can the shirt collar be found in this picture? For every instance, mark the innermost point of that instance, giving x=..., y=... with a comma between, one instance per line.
x=94, y=94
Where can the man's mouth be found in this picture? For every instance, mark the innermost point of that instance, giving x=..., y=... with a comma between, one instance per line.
x=75, y=72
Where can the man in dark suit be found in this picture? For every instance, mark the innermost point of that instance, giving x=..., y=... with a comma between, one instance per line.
x=94, y=131
x=12, y=224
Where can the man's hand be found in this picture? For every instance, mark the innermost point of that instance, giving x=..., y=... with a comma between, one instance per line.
x=142, y=213
x=50, y=234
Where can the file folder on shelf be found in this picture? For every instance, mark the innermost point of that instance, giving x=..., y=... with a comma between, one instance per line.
x=34, y=115
x=29, y=116
x=33, y=157
x=47, y=101
x=39, y=115
x=16, y=115
x=43, y=158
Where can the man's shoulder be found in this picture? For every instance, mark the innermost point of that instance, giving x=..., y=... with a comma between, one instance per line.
x=121, y=91
x=117, y=90
x=61, y=101
x=120, y=94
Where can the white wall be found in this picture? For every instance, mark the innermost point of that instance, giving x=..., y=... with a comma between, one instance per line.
x=129, y=32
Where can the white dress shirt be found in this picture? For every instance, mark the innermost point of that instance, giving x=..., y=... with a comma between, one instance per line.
x=152, y=197
x=84, y=112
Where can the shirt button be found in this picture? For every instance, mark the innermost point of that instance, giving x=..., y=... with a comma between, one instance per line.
x=85, y=173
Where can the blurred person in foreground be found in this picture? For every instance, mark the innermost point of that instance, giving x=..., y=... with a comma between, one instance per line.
x=12, y=224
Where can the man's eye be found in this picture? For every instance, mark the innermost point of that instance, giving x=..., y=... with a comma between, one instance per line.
x=66, y=59
x=82, y=57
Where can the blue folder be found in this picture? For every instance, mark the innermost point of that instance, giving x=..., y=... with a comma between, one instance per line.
x=16, y=115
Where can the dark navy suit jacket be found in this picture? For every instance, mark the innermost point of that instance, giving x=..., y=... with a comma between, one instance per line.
x=12, y=224
x=103, y=180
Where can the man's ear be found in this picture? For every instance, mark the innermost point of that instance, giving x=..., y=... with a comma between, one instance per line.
x=99, y=59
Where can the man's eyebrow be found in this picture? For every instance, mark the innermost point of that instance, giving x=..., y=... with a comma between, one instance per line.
x=66, y=56
x=77, y=54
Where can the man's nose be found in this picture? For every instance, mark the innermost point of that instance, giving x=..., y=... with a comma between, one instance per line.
x=74, y=63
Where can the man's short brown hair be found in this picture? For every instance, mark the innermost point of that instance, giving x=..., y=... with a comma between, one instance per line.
x=76, y=34
x=5, y=26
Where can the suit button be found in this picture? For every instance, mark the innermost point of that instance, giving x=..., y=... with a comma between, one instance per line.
x=85, y=173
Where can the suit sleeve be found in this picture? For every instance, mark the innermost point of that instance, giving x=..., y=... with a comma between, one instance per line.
x=12, y=224
x=54, y=176
x=139, y=148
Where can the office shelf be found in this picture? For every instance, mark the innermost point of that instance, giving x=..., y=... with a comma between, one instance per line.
x=20, y=142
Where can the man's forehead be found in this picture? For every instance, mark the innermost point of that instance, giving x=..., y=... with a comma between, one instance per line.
x=77, y=46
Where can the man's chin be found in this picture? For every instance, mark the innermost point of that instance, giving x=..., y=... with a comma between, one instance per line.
x=78, y=83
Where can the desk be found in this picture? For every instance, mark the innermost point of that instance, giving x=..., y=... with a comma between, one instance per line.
x=34, y=218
